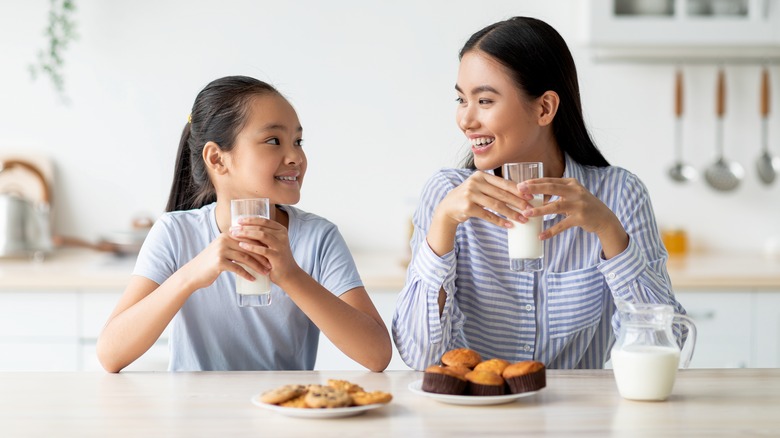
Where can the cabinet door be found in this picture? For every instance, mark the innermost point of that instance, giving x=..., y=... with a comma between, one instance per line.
x=767, y=330
x=38, y=331
x=723, y=323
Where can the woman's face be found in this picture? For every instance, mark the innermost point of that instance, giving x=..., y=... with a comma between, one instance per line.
x=267, y=159
x=501, y=123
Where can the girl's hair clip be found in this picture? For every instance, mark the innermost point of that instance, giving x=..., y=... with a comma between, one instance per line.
x=189, y=118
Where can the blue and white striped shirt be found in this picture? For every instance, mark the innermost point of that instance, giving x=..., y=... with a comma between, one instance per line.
x=564, y=316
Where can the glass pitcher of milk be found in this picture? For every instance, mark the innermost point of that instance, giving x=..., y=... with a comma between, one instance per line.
x=645, y=357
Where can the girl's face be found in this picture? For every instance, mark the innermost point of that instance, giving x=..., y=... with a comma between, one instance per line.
x=501, y=123
x=267, y=159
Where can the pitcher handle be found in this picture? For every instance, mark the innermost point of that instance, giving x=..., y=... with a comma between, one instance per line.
x=690, y=343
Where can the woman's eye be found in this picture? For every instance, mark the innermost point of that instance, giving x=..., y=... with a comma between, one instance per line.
x=460, y=100
x=273, y=141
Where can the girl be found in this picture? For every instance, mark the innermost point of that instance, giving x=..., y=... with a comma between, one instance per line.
x=243, y=141
x=518, y=100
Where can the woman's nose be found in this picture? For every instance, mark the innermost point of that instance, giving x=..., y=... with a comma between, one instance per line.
x=466, y=118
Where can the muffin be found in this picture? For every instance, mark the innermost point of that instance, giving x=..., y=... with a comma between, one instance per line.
x=459, y=370
x=461, y=356
x=525, y=376
x=443, y=380
x=494, y=365
x=485, y=383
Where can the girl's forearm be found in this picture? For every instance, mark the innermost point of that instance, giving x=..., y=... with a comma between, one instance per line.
x=346, y=322
x=132, y=331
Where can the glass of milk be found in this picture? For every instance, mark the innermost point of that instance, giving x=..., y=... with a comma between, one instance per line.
x=645, y=357
x=526, y=251
x=251, y=293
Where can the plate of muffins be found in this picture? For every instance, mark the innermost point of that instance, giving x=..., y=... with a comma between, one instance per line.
x=464, y=378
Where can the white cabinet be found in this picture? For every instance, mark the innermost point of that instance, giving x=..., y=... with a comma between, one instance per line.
x=767, y=330
x=718, y=29
x=38, y=331
x=723, y=324
x=736, y=329
x=58, y=330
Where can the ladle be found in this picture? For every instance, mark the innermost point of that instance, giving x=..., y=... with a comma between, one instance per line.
x=722, y=175
x=679, y=171
x=767, y=165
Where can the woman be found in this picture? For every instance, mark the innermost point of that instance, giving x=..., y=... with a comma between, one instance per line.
x=518, y=101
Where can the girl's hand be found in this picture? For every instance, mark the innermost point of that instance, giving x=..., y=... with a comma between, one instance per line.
x=218, y=257
x=482, y=191
x=580, y=209
x=268, y=241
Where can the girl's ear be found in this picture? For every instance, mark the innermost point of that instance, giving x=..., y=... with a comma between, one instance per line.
x=212, y=156
x=548, y=106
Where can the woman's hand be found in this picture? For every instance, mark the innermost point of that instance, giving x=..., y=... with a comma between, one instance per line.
x=267, y=241
x=579, y=208
x=480, y=192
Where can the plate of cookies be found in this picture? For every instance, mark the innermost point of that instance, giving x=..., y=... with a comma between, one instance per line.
x=339, y=398
x=464, y=378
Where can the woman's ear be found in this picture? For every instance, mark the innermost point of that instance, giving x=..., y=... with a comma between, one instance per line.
x=212, y=156
x=548, y=105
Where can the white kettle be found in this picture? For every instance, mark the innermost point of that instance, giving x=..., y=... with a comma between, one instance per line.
x=25, y=225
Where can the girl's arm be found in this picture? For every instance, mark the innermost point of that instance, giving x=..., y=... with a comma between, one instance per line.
x=350, y=321
x=145, y=309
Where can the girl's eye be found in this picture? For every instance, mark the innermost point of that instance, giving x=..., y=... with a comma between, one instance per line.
x=299, y=142
x=273, y=141
x=485, y=101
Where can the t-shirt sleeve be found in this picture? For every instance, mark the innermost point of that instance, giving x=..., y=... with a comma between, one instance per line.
x=338, y=272
x=156, y=259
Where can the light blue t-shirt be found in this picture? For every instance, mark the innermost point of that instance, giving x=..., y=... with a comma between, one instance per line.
x=211, y=332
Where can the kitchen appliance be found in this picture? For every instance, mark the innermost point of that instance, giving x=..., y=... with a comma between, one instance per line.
x=767, y=166
x=25, y=226
x=679, y=172
x=722, y=175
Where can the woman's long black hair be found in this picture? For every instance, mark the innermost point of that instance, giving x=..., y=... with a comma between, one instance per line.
x=218, y=114
x=540, y=60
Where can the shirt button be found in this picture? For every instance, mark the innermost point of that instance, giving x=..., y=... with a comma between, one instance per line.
x=611, y=276
x=527, y=348
x=528, y=307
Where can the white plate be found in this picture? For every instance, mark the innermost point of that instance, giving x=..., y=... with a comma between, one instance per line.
x=471, y=400
x=315, y=413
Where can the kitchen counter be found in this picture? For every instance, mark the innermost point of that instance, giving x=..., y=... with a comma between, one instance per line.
x=85, y=269
x=734, y=402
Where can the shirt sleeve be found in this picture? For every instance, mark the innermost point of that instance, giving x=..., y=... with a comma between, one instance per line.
x=639, y=273
x=420, y=334
x=156, y=259
x=338, y=272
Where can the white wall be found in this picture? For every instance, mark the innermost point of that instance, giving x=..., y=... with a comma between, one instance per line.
x=372, y=82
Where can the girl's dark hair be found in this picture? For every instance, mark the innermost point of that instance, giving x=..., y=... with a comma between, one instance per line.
x=539, y=60
x=218, y=115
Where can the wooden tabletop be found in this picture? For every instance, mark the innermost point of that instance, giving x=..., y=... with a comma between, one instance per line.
x=723, y=402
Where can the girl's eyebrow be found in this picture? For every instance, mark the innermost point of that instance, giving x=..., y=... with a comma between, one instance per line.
x=279, y=127
x=480, y=89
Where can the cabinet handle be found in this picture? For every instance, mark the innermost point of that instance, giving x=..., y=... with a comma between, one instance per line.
x=702, y=316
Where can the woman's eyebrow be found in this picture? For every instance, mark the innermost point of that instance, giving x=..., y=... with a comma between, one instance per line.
x=480, y=89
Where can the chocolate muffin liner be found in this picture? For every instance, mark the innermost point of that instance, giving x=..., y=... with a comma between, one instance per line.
x=480, y=389
x=443, y=384
x=528, y=382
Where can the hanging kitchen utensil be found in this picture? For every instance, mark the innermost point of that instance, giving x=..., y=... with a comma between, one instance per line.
x=766, y=165
x=722, y=175
x=679, y=171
